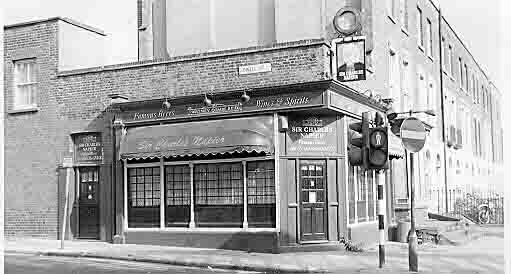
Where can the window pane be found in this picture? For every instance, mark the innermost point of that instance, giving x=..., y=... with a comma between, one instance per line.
x=177, y=185
x=218, y=195
x=143, y=197
x=370, y=196
x=261, y=194
x=362, y=192
x=351, y=193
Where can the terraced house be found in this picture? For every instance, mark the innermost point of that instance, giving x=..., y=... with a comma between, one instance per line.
x=232, y=132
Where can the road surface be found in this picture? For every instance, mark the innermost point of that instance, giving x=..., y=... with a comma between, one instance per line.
x=34, y=264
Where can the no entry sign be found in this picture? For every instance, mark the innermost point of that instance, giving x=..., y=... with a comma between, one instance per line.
x=413, y=134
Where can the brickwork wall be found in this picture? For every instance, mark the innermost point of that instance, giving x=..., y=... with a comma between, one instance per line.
x=31, y=160
x=216, y=72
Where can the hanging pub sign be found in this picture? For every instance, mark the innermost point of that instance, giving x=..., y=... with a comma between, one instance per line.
x=88, y=148
x=349, y=62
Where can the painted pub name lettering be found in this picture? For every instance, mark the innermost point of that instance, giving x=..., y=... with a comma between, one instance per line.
x=216, y=108
x=286, y=101
x=153, y=115
x=181, y=141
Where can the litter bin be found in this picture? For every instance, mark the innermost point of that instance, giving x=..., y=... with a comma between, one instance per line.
x=403, y=227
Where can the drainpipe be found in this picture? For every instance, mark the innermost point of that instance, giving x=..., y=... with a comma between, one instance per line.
x=442, y=104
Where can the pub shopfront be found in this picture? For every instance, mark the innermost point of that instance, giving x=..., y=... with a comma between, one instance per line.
x=262, y=174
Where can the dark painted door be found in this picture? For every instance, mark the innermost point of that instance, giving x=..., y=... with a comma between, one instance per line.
x=88, y=204
x=313, y=215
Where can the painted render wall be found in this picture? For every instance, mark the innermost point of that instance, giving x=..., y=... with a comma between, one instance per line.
x=79, y=47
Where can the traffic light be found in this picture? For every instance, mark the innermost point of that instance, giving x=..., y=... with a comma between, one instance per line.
x=378, y=154
x=378, y=145
x=358, y=142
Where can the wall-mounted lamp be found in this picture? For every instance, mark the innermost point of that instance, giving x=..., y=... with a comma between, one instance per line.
x=244, y=97
x=166, y=104
x=207, y=102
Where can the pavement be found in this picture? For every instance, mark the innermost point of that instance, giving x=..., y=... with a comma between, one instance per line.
x=484, y=254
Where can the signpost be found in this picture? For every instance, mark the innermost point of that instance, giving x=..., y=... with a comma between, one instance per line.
x=413, y=136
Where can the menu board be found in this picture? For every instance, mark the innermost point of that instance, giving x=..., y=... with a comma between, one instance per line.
x=88, y=148
x=312, y=135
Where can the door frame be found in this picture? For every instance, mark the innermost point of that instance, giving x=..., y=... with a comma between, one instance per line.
x=78, y=204
x=299, y=162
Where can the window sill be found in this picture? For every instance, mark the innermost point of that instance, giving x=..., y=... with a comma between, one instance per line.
x=23, y=110
x=421, y=48
x=201, y=229
x=353, y=225
x=431, y=58
x=392, y=19
x=403, y=30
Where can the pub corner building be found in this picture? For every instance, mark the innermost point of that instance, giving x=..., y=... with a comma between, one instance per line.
x=238, y=149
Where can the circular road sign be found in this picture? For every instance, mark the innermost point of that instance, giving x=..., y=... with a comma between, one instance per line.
x=413, y=134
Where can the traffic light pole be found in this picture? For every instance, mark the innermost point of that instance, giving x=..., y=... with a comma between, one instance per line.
x=412, y=236
x=381, y=218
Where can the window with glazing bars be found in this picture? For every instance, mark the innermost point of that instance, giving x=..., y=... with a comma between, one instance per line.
x=218, y=194
x=144, y=186
x=177, y=195
x=144, y=197
x=261, y=194
x=25, y=83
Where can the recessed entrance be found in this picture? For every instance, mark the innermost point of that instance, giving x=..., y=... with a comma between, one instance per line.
x=313, y=212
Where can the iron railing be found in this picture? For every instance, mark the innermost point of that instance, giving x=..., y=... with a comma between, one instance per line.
x=466, y=204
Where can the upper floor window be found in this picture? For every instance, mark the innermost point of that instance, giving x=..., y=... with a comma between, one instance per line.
x=394, y=77
x=420, y=31
x=25, y=84
x=431, y=97
x=484, y=99
x=466, y=78
x=449, y=59
x=391, y=8
x=452, y=61
x=403, y=13
x=461, y=72
x=429, y=39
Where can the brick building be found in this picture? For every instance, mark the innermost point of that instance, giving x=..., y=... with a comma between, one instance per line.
x=248, y=178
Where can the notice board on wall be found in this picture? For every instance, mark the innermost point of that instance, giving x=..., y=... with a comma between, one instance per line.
x=88, y=148
x=312, y=135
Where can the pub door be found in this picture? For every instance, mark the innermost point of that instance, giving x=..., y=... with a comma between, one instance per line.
x=88, y=203
x=313, y=207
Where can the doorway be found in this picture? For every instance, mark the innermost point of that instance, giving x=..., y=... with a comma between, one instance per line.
x=313, y=206
x=88, y=203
